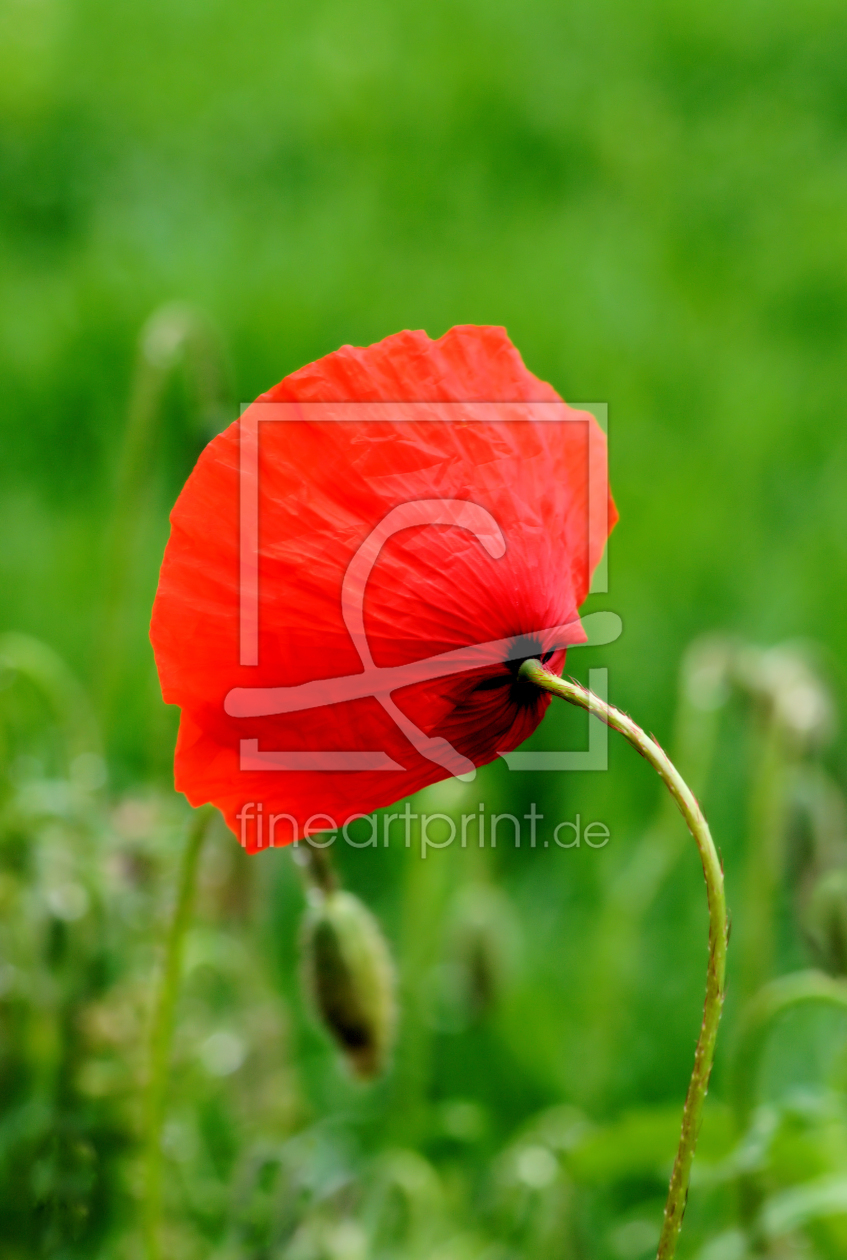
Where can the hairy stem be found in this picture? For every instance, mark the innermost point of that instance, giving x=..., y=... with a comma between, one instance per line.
x=162, y=1030
x=715, y=976
x=633, y=890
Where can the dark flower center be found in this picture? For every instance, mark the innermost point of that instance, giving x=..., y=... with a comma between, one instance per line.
x=522, y=693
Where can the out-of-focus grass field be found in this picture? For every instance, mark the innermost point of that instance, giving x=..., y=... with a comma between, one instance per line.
x=652, y=200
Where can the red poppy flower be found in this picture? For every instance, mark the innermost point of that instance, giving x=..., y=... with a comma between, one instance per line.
x=356, y=568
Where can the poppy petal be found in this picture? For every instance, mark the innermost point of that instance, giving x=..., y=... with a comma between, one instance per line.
x=492, y=544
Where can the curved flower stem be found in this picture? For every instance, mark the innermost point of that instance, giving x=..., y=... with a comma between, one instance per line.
x=702, y=694
x=162, y=1031
x=571, y=691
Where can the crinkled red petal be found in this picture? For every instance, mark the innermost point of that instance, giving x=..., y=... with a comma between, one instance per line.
x=323, y=489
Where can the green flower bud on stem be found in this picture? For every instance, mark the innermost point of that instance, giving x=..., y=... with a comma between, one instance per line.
x=350, y=978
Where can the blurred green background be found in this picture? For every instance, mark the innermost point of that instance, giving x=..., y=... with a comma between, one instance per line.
x=652, y=200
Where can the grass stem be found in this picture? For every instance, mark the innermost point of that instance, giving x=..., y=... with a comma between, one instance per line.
x=161, y=1037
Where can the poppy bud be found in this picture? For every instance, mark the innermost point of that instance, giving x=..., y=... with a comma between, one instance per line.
x=350, y=978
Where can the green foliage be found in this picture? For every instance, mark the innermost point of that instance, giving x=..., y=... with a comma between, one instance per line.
x=651, y=199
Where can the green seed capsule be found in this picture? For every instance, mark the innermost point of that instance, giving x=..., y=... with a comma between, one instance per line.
x=350, y=978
